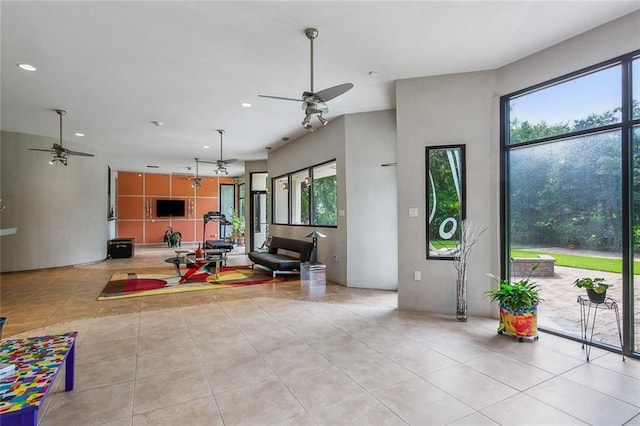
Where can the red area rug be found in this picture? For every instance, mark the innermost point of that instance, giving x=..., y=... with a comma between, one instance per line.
x=123, y=284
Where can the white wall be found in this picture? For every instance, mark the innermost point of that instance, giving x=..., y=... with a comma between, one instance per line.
x=60, y=212
x=464, y=109
x=371, y=196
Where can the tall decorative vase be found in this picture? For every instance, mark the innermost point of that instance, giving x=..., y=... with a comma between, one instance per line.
x=461, y=297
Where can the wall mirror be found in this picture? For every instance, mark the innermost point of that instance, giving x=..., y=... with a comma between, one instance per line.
x=445, y=199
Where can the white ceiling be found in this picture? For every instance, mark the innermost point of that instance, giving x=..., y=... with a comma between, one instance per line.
x=116, y=66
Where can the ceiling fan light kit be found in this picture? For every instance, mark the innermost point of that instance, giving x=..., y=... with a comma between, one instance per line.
x=314, y=103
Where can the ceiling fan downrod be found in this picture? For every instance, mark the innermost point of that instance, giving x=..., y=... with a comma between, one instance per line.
x=311, y=34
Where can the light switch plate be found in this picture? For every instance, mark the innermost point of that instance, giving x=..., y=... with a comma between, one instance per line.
x=413, y=212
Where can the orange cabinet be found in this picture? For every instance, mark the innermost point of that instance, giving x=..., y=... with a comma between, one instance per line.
x=181, y=186
x=130, y=207
x=136, y=198
x=156, y=184
x=129, y=183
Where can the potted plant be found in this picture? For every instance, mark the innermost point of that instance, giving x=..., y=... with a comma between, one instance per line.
x=596, y=288
x=237, y=226
x=518, y=306
x=172, y=238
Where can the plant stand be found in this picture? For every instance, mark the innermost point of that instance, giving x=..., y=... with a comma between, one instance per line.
x=585, y=317
x=519, y=324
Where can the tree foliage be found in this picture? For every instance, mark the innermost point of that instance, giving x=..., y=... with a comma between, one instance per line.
x=570, y=190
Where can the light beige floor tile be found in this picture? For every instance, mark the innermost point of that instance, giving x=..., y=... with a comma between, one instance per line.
x=184, y=358
x=342, y=348
x=242, y=372
x=267, y=403
x=105, y=350
x=94, y=406
x=510, y=371
x=104, y=373
x=418, y=359
x=417, y=400
x=470, y=386
x=475, y=419
x=522, y=409
x=159, y=343
x=116, y=327
x=461, y=350
x=614, y=362
x=317, y=389
x=357, y=410
x=295, y=359
x=543, y=358
x=174, y=387
x=199, y=412
x=634, y=421
x=583, y=403
x=614, y=384
x=375, y=372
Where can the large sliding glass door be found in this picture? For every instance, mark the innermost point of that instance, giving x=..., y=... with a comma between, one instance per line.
x=572, y=195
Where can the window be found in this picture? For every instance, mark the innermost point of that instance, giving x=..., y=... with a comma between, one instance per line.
x=567, y=188
x=306, y=197
x=325, y=195
x=241, y=200
x=300, y=198
x=587, y=102
x=280, y=191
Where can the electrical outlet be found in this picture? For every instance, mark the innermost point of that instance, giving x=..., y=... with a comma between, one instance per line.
x=417, y=275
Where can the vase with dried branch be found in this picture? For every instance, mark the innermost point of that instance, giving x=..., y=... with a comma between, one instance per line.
x=469, y=236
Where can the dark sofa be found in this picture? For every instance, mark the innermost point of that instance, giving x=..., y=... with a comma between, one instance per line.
x=284, y=255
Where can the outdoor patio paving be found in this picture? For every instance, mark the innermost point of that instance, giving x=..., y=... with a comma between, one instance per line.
x=560, y=310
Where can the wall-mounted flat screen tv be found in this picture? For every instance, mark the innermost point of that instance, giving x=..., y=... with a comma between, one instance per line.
x=167, y=208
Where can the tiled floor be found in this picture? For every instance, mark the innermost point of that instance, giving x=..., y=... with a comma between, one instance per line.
x=266, y=355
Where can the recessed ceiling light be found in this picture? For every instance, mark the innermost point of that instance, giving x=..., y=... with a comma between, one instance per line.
x=157, y=123
x=374, y=73
x=246, y=104
x=206, y=146
x=153, y=167
x=285, y=139
x=79, y=134
x=26, y=67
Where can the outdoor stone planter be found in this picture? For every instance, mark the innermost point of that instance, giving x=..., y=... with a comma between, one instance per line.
x=523, y=266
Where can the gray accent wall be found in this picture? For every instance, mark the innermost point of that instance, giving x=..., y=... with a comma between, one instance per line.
x=365, y=240
x=60, y=212
x=464, y=108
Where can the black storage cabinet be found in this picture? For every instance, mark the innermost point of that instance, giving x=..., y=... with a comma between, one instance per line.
x=120, y=248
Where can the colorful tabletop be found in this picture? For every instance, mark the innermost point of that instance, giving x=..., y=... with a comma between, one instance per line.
x=37, y=361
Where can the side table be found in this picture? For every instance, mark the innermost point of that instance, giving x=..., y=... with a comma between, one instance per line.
x=38, y=361
x=585, y=316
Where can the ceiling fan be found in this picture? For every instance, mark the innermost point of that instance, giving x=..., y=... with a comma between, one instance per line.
x=197, y=180
x=221, y=164
x=59, y=152
x=314, y=103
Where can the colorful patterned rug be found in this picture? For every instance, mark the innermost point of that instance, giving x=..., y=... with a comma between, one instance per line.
x=123, y=284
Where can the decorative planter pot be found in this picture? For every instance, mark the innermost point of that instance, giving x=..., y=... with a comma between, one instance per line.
x=520, y=324
x=596, y=297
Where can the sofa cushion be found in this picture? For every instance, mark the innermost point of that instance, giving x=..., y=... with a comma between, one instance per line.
x=275, y=262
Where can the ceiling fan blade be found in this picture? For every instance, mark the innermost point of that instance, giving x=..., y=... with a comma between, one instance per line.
x=81, y=154
x=208, y=162
x=281, y=98
x=43, y=150
x=333, y=92
x=233, y=160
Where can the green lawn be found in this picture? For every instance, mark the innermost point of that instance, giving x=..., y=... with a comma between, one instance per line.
x=582, y=262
